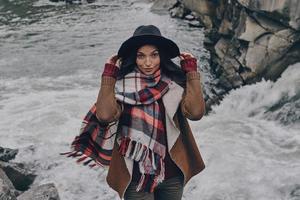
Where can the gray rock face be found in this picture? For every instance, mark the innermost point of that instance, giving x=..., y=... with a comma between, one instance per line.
x=42, y=192
x=7, y=190
x=17, y=177
x=248, y=39
x=20, y=175
x=289, y=10
x=159, y=5
x=7, y=154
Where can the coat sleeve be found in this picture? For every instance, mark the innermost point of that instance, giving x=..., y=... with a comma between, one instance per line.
x=193, y=104
x=107, y=107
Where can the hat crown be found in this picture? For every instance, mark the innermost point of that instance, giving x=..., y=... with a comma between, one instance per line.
x=148, y=34
x=147, y=30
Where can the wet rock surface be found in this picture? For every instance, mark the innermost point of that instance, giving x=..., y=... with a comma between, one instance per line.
x=7, y=190
x=19, y=174
x=16, y=180
x=7, y=154
x=249, y=40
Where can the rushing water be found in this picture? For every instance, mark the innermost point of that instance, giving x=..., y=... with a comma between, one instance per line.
x=51, y=58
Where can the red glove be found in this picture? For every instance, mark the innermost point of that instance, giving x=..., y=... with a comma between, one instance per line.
x=188, y=62
x=110, y=70
x=111, y=66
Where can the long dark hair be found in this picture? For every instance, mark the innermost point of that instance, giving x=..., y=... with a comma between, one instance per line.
x=167, y=66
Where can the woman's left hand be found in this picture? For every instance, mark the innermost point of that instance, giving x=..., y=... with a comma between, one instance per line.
x=188, y=62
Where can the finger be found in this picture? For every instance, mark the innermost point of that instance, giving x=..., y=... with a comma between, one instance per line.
x=188, y=56
x=181, y=57
x=185, y=54
x=114, y=57
x=118, y=63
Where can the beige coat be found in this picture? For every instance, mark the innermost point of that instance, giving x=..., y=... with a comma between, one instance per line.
x=180, y=104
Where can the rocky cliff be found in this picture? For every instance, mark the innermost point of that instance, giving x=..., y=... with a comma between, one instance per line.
x=248, y=39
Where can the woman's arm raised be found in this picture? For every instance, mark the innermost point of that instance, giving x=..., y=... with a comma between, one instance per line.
x=107, y=107
x=192, y=104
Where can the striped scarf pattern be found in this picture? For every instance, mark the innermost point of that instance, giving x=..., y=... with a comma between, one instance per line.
x=141, y=125
x=139, y=131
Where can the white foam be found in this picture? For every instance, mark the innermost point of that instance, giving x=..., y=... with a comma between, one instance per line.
x=246, y=155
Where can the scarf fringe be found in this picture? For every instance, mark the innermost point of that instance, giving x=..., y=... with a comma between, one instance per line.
x=82, y=157
x=148, y=183
x=137, y=151
x=150, y=176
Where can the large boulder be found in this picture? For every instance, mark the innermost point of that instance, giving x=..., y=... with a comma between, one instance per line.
x=42, y=192
x=7, y=154
x=287, y=11
x=248, y=29
x=265, y=51
x=201, y=6
x=205, y=9
x=19, y=174
x=7, y=190
x=159, y=5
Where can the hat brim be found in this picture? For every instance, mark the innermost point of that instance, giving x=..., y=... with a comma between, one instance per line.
x=132, y=44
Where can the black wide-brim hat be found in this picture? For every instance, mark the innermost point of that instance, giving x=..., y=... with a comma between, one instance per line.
x=148, y=34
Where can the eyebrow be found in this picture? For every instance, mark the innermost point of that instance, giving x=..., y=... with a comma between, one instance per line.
x=143, y=53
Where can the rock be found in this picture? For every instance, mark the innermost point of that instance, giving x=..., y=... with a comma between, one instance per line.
x=195, y=23
x=295, y=193
x=268, y=49
x=179, y=11
x=274, y=70
x=42, y=192
x=228, y=15
x=286, y=11
x=189, y=17
x=235, y=80
x=200, y=6
x=7, y=190
x=225, y=27
x=248, y=29
x=224, y=83
x=267, y=23
x=159, y=5
x=248, y=39
x=7, y=154
x=19, y=174
x=280, y=43
x=221, y=47
x=256, y=55
x=205, y=9
x=242, y=55
x=230, y=64
x=248, y=76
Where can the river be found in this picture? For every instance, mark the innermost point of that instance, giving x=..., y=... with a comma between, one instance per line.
x=51, y=59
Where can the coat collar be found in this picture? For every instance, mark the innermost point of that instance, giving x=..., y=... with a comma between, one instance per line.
x=171, y=102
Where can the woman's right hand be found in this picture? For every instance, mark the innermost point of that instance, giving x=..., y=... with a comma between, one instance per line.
x=112, y=66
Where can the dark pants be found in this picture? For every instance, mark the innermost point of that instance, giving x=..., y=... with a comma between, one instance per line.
x=170, y=189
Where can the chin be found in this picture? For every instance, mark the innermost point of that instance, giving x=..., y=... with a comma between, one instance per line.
x=149, y=73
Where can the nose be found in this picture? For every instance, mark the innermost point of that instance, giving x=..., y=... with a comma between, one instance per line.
x=148, y=62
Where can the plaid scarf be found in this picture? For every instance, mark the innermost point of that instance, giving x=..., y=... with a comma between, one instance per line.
x=140, y=129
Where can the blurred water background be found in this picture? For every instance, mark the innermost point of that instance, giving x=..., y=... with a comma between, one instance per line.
x=51, y=59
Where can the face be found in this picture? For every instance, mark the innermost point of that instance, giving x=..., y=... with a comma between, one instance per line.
x=147, y=59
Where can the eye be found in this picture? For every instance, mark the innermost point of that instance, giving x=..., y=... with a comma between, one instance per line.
x=140, y=56
x=155, y=54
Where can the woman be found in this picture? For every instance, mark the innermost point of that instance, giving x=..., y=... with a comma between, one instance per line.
x=138, y=126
